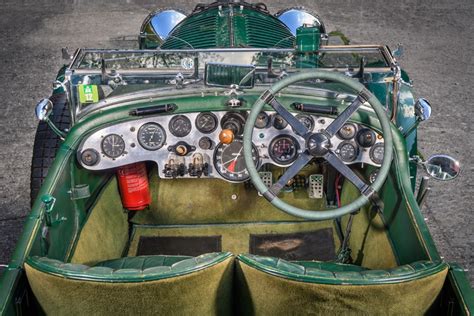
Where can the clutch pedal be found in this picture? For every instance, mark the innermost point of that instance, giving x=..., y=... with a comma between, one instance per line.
x=315, y=187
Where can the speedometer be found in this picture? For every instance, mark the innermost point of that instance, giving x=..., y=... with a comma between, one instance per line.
x=151, y=136
x=230, y=163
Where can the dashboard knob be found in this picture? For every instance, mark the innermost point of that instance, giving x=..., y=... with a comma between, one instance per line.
x=226, y=136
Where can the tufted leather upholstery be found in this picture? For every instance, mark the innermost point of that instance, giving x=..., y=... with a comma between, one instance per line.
x=328, y=272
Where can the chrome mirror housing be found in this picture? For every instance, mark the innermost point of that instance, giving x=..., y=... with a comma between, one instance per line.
x=296, y=17
x=158, y=25
x=442, y=167
x=44, y=109
x=422, y=109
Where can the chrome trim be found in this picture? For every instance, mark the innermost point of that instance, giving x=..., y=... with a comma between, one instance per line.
x=295, y=17
x=162, y=22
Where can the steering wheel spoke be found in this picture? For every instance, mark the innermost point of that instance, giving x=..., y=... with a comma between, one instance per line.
x=336, y=125
x=302, y=160
x=299, y=127
x=348, y=173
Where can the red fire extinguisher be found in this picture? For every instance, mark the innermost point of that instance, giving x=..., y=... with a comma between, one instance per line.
x=133, y=185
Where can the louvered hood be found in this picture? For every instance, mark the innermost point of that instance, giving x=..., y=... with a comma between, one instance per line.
x=224, y=24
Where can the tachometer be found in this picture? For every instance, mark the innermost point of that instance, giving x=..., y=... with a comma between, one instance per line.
x=347, y=151
x=180, y=126
x=230, y=163
x=376, y=153
x=284, y=149
x=206, y=122
x=151, y=136
x=113, y=146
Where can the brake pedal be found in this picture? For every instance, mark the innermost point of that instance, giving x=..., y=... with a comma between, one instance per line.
x=315, y=187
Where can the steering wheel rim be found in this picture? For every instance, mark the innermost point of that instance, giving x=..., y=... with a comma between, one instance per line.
x=364, y=95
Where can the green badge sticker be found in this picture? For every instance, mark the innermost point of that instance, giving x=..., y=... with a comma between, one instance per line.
x=88, y=93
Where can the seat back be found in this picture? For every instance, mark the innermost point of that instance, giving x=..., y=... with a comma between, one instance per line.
x=271, y=286
x=146, y=285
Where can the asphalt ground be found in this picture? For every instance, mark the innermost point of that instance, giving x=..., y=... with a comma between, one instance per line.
x=438, y=40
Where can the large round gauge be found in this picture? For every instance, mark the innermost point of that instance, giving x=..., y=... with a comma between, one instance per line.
x=347, y=131
x=366, y=137
x=151, y=136
x=306, y=120
x=283, y=149
x=230, y=163
x=376, y=153
x=263, y=120
x=206, y=122
x=347, y=151
x=180, y=126
x=113, y=146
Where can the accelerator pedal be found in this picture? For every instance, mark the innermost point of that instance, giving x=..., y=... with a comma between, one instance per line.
x=267, y=179
x=315, y=187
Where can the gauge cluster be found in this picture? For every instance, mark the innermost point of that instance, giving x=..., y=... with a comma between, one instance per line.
x=188, y=145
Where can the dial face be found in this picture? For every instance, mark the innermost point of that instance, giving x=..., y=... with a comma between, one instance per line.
x=348, y=152
x=307, y=121
x=230, y=163
x=262, y=121
x=366, y=137
x=205, y=143
x=113, y=146
x=151, y=136
x=279, y=122
x=180, y=126
x=376, y=153
x=284, y=149
x=347, y=131
x=206, y=122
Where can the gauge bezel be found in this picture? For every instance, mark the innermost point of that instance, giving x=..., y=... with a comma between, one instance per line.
x=371, y=153
x=267, y=120
x=280, y=127
x=173, y=131
x=365, y=130
x=356, y=129
x=147, y=147
x=223, y=175
x=277, y=160
x=355, y=146
x=108, y=154
x=214, y=119
x=298, y=116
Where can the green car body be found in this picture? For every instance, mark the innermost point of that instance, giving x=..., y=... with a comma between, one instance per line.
x=211, y=36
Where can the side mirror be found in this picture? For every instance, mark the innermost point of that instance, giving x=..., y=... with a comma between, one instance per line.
x=442, y=167
x=44, y=109
x=422, y=109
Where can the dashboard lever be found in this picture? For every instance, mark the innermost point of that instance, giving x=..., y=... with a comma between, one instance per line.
x=314, y=108
x=162, y=108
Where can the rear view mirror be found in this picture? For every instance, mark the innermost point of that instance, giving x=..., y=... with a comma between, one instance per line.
x=442, y=167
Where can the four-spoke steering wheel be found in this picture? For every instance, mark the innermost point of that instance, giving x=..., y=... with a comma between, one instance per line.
x=318, y=145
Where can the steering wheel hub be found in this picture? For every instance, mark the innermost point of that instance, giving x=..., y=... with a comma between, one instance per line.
x=318, y=144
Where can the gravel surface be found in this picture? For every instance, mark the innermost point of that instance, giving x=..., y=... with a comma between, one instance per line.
x=438, y=37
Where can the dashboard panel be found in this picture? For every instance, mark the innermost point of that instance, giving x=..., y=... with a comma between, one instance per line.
x=188, y=146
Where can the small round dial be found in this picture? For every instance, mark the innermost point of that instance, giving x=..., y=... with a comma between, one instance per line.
x=347, y=131
x=347, y=151
x=279, y=122
x=230, y=163
x=151, y=136
x=366, y=137
x=307, y=121
x=180, y=126
x=205, y=143
x=263, y=120
x=113, y=146
x=376, y=153
x=206, y=122
x=283, y=149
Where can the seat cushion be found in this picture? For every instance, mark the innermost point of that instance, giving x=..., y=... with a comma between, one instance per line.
x=271, y=286
x=159, y=285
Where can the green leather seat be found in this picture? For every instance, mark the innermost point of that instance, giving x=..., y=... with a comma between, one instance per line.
x=145, y=285
x=272, y=286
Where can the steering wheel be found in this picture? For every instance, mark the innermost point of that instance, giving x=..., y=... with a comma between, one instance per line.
x=318, y=144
